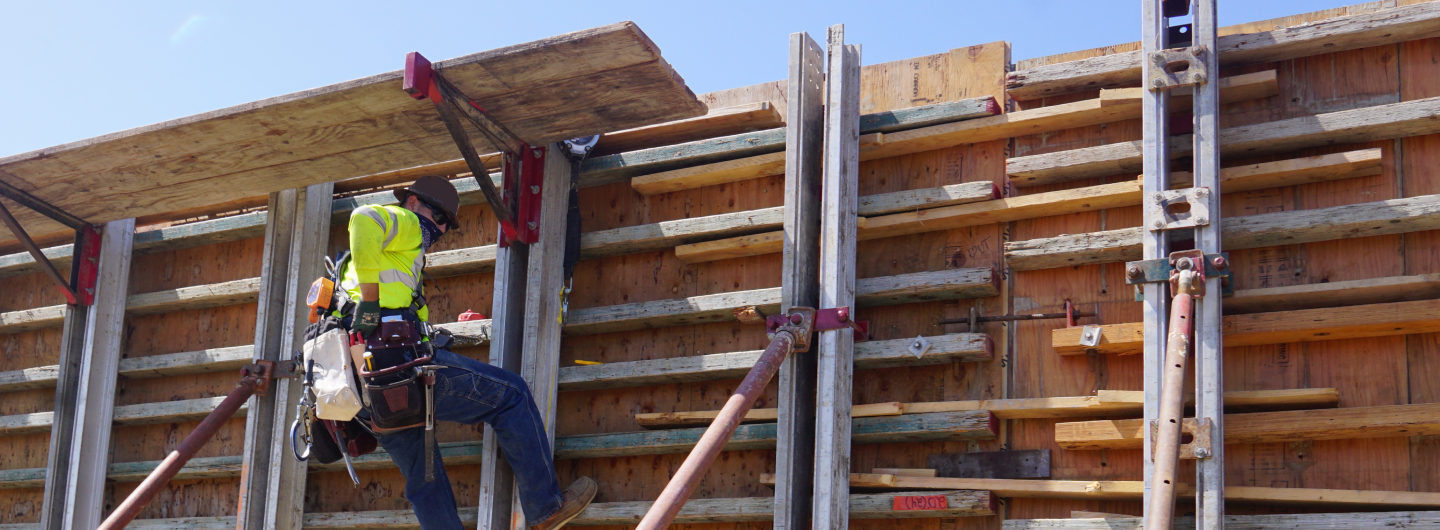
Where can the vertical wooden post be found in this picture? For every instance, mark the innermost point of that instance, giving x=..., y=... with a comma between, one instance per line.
x=283, y=485
x=804, y=134
x=540, y=344
x=1209, y=358
x=836, y=348
x=90, y=419
x=273, y=331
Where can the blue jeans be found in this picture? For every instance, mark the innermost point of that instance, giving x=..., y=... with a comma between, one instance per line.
x=469, y=392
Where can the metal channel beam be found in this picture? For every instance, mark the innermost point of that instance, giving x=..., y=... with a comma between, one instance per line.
x=79, y=497
x=1209, y=368
x=804, y=134
x=1154, y=37
x=836, y=348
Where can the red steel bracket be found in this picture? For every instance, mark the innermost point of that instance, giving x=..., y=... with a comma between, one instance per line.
x=86, y=265
x=517, y=205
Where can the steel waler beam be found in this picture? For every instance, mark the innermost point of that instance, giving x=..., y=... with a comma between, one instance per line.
x=1176, y=56
x=80, y=290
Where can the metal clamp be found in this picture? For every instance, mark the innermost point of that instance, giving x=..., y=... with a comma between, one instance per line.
x=1165, y=213
x=262, y=372
x=1164, y=270
x=1166, y=72
x=1200, y=445
x=799, y=323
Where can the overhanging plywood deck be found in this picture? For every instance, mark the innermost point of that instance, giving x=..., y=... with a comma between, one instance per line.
x=582, y=83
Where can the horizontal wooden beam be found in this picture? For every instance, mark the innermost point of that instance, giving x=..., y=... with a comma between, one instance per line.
x=1334, y=294
x=170, y=300
x=1381, y=122
x=1395, y=216
x=756, y=116
x=1040, y=120
x=203, y=361
x=1305, y=325
x=621, y=167
x=942, y=426
x=1128, y=490
x=1364, y=162
x=948, y=284
x=1305, y=521
x=959, y=347
x=142, y=414
x=1269, y=427
x=666, y=420
x=1243, y=87
x=698, y=173
x=1386, y=26
x=1104, y=403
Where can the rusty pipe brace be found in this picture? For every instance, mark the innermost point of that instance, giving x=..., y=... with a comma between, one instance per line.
x=791, y=334
x=255, y=380
x=1187, y=282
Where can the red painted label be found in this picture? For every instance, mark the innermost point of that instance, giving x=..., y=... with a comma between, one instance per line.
x=921, y=502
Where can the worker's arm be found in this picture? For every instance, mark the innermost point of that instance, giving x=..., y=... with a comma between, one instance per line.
x=367, y=239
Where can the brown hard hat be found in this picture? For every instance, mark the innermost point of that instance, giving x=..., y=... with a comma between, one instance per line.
x=436, y=192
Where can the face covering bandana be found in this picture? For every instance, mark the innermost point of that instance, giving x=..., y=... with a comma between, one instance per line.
x=429, y=232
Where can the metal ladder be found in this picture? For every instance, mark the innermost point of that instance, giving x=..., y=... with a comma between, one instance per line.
x=1175, y=56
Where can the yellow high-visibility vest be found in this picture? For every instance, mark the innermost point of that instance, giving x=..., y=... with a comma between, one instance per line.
x=385, y=249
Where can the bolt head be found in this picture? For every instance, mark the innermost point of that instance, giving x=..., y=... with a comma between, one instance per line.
x=1201, y=452
x=1183, y=264
x=1088, y=335
x=1133, y=272
x=1157, y=83
x=1219, y=263
x=531, y=225
x=843, y=314
x=1159, y=224
x=1159, y=196
x=534, y=189
x=1201, y=192
x=1200, y=220
x=796, y=319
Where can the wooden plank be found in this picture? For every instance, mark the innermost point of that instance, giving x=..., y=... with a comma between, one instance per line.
x=144, y=414
x=1395, y=216
x=1306, y=170
x=1308, y=521
x=356, y=127
x=1246, y=400
x=1269, y=427
x=197, y=297
x=1334, y=294
x=622, y=167
x=1243, y=87
x=756, y=116
x=961, y=347
x=1381, y=122
x=926, y=198
x=1327, y=36
x=857, y=480
x=699, y=176
x=1033, y=121
x=799, y=278
x=211, y=360
x=663, y=420
x=752, y=167
x=888, y=290
x=1374, y=320
x=943, y=426
x=882, y=203
x=904, y=472
x=1125, y=490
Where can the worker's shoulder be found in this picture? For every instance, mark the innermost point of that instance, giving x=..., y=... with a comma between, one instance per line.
x=382, y=213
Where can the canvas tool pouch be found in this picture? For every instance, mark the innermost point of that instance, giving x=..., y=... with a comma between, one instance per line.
x=328, y=357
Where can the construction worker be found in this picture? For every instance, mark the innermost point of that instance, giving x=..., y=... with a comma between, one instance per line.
x=383, y=277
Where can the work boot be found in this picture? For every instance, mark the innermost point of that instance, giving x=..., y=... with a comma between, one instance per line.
x=577, y=497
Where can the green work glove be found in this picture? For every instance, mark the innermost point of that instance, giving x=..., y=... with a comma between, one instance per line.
x=367, y=318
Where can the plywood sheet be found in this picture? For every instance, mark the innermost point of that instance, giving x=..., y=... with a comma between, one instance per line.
x=588, y=82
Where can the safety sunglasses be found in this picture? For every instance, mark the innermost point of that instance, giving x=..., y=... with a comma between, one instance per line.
x=436, y=213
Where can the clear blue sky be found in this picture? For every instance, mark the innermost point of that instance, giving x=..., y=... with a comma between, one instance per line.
x=75, y=70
